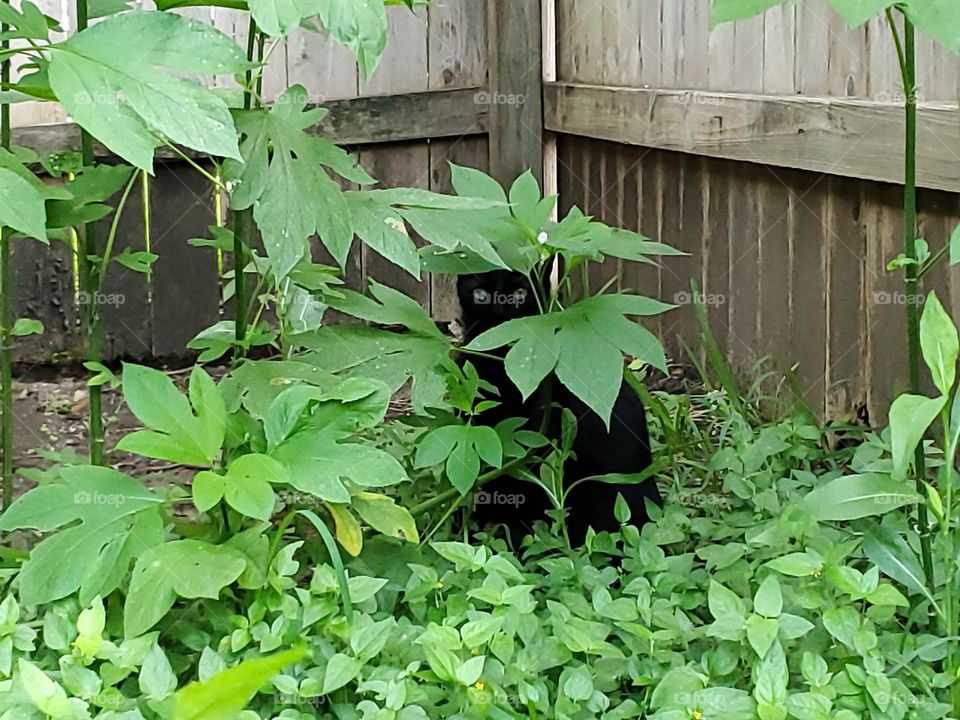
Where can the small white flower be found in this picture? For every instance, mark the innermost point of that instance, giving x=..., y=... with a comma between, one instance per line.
x=543, y=238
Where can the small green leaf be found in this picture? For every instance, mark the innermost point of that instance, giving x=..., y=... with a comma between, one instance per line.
x=856, y=496
x=940, y=344
x=22, y=208
x=768, y=601
x=910, y=417
x=26, y=326
x=340, y=670
x=731, y=10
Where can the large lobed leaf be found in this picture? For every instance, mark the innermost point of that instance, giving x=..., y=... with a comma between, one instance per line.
x=282, y=178
x=112, y=78
x=584, y=344
x=103, y=520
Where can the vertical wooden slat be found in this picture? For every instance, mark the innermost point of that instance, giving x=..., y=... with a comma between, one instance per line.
x=744, y=270
x=774, y=264
x=747, y=71
x=651, y=52
x=621, y=43
x=608, y=209
x=695, y=72
x=125, y=298
x=403, y=67
x=886, y=313
x=810, y=239
x=847, y=277
x=716, y=256
x=43, y=290
x=185, y=294
x=846, y=58
x=779, y=58
x=675, y=272
x=516, y=129
x=671, y=43
x=326, y=69
x=457, y=44
x=811, y=52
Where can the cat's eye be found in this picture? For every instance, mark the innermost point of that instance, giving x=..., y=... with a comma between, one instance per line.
x=481, y=296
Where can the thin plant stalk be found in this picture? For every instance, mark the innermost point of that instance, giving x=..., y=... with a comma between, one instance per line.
x=243, y=220
x=6, y=310
x=90, y=279
x=906, y=52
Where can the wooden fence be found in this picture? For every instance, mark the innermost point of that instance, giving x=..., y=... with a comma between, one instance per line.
x=426, y=106
x=767, y=149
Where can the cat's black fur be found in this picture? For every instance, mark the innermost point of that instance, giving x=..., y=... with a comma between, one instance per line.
x=490, y=299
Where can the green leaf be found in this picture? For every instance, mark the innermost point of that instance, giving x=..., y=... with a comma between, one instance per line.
x=22, y=207
x=26, y=326
x=361, y=26
x=857, y=12
x=910, y=416
x=469, y=182
x=46, y=695
x=319, y=465
x=277, y=18
x=587, y=339
x=157, y=680
x=955, y=246
x=340, y=670
x=383, y=514
x=390, y=357
x=177, y=434
x=382, y=229
x=940, y=344
x=223, y=696
x=769, y=600
x=247, y=484
x=109, y=79
x=113, y=510
x=391, y=307
x=939, y=19
x=723, y=602
x=761, y=633
x=282, y=177
x=890, y=552
x=182, y=568
x=796, y=564
x=460, y=447
x=207, y=489
x=730, y=10
x=856, y=496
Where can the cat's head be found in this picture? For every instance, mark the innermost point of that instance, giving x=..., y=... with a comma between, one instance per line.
x=494, y=297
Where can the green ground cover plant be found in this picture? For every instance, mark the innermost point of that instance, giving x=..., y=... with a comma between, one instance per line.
x=312, y=565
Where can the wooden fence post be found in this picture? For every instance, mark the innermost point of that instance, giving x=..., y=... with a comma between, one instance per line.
x=515, y=89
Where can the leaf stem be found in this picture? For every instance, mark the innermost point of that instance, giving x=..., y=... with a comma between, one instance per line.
x=105, y=260
x=906, y=52
x=90, y=284
x=6, y=310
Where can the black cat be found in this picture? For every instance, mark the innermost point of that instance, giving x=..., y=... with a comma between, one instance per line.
x=490, y=299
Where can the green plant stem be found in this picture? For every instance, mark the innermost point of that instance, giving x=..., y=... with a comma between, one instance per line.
x=6, y=310
x=115, y=224
x=906, y=52
x=243, y=221
x=90, y=280
x=451, y=493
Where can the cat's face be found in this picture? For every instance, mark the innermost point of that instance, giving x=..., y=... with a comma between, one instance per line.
x=494, y=297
